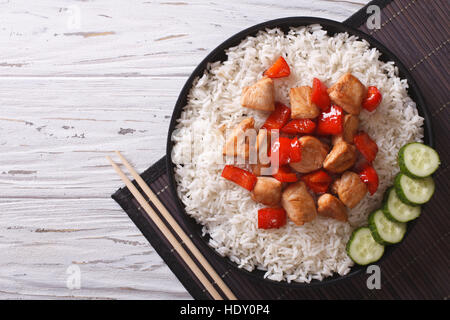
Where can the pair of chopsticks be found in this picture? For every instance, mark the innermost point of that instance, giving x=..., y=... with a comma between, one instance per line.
x=168, y=234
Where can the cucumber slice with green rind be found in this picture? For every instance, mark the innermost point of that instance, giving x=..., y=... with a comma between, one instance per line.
x=396, y=210
x=418, y=160
x=413, y=191
x=385, y=231
x=362, y=248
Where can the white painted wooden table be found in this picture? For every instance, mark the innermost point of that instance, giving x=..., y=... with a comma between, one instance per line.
x=79, y=79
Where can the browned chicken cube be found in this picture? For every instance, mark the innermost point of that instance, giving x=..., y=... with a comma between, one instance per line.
x=332, y=207
x=237, y=143
x=301, y=105
x=267, y=191
x=260, y=96
x=298, y=203
x=350, y=127
x=313, y=155
x=348, y=92
x=340, y=158
x=350, y=189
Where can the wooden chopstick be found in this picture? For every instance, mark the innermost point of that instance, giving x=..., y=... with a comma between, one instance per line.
x=168, y=234
x=176, y=227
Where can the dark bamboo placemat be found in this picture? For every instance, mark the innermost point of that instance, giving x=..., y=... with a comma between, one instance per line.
x=418, y=33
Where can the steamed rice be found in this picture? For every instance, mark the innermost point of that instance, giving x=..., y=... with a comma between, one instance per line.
x=292, y=253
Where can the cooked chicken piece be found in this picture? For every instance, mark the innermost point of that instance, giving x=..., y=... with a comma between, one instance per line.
x=336, y=139
x=298, y=203
x=260, y=96
x=350, y=189
x=332, y=207
x=335, y=186
x=340, y=158
x=325, y=146
x=348, y=92
x=313, y=155
x=350, y=127
x=237, y=143
x=301, y=105
x=267, y=191
x=351, y=124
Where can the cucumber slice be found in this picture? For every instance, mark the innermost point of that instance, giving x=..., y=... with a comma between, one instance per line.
x=385, y=231
x=362, y=248
x=397, y=211
x=418, y=160
x=412, y=191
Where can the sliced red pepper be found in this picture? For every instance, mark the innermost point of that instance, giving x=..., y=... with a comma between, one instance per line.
x=331, y=121
x=366, y=146
x=279, y=69
x=285, y=174
x=318, y=181
x=239, y=176
x=278, y=118
x=281, y=148
x=373, y=99
x=287, y=150
x=319, y=95
x=270, y=218
x=297, y=126
x=296, y=152
x=370, y=177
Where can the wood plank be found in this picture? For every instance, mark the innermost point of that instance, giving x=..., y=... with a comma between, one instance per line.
x=61, y=137
x=72, y=93
x=140, y=38
x=41, y=238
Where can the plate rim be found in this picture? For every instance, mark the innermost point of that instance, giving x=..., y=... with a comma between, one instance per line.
x=289, y=22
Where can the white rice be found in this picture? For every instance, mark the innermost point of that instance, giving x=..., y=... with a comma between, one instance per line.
x=292, y=253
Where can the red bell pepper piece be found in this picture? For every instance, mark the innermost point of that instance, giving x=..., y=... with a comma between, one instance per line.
x=318, y=181
x=284, y=174
x=331, y=121
x=297, y=126
x=366, y=146
x=281, y=148
x=296, y=152
x=319, y=95
x=279, y=69
x=269, y=218
x=373, y=99
x=287, y=150
x=370, y=177
x=239, y=176
x=278, y=118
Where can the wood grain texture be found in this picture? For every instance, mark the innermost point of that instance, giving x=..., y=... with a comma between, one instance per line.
x=77, y=81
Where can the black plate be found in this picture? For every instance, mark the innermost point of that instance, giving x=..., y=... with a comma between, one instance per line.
x=218, y=54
